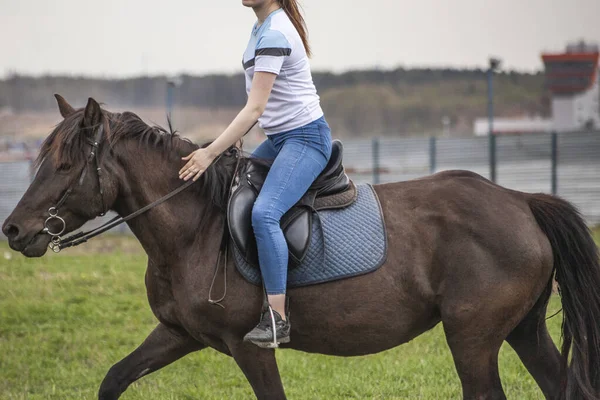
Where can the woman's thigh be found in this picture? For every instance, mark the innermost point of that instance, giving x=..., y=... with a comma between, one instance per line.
x=295, y=168
x=266, y=150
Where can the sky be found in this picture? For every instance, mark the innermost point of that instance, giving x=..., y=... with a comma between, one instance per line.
x=122, y=38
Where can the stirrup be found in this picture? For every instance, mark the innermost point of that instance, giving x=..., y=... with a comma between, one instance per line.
x=275, y=343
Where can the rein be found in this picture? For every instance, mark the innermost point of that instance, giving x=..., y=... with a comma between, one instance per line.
x=83, y=237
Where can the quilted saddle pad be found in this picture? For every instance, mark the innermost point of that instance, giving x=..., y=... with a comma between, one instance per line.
x=346, y=242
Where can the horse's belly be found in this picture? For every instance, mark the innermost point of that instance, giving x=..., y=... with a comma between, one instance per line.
x=357, y=340
x=347, y=328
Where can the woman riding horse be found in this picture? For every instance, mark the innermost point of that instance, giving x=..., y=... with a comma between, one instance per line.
x=283, y=98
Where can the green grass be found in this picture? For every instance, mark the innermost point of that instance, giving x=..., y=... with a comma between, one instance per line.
x=65, y=319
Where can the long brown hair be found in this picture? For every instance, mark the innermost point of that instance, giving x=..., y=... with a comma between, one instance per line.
x=292, y=9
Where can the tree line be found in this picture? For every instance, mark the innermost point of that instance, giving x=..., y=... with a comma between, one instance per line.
x=356, y=102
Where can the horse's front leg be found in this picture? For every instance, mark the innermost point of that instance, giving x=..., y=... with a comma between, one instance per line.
x=260, y=367
x=161, y=347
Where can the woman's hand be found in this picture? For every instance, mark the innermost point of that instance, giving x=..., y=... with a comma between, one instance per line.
x=197, y=162
x=200, y=160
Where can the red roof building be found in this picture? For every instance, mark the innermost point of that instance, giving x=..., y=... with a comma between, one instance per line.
x=572, y=78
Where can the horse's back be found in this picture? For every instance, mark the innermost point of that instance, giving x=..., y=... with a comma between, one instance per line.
x=460, y=196
x=465, y=224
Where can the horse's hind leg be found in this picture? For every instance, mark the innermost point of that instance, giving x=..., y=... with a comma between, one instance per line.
x=531, y=341
x=475, y=329
x=476, y=324
x=476, y=361
x=161, y=347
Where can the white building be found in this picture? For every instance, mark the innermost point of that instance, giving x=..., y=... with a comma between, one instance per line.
x=513, y=125
x=572, y=77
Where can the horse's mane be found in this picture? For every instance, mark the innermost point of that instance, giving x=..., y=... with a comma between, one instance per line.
x=68, y=145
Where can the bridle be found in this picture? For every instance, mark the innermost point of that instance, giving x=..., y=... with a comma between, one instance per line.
x=58, y=243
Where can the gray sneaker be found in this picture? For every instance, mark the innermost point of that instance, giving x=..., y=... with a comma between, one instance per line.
x=262, y=334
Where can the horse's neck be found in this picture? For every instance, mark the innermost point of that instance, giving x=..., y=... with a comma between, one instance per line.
x=168, y=230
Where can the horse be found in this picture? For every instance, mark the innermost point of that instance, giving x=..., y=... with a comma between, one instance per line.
x=464, y=251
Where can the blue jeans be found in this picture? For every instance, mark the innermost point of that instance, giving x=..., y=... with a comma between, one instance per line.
x=300, y=156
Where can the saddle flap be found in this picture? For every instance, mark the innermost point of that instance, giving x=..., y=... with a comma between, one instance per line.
x=296, y=226
x=239, y=221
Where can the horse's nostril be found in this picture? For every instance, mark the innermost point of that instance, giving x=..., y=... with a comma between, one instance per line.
x=11, y=231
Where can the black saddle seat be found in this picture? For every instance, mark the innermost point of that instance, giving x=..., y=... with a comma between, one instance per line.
x=331, y=189
x=332, y=179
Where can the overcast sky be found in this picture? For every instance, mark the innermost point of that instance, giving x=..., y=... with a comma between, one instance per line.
x=115, y=38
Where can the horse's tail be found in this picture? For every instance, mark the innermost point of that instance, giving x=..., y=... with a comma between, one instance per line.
x=577, y=267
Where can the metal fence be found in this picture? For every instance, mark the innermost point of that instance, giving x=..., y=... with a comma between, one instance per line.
x=566, y=164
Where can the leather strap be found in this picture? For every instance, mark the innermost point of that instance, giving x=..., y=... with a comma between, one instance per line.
x=82, y=237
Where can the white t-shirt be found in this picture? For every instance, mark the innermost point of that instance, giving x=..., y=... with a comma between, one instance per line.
x=276, y=47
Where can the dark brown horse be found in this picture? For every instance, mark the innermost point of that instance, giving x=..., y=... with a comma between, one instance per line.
x=462, y=251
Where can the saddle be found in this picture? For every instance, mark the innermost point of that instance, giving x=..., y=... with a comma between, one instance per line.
x=332, y=189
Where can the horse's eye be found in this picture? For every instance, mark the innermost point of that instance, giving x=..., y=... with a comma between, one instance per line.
x=64, y=167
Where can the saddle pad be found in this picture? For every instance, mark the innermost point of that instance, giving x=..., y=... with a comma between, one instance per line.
x=355, y=244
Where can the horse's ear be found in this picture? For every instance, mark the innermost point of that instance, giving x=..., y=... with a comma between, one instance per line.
x=64, y=107
x=92, y=114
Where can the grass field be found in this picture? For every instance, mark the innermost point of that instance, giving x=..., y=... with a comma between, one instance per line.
x=65, y=319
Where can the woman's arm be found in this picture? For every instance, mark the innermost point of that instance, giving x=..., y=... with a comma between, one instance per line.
x=199, y=160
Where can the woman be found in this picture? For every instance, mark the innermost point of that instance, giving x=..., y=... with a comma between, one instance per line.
x=283, y=98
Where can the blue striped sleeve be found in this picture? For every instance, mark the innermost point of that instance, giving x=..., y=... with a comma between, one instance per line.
x=271, y=49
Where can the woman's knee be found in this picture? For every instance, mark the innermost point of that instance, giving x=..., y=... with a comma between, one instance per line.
x=262, y=215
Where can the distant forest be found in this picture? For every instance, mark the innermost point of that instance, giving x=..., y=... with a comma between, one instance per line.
x=357, y=103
